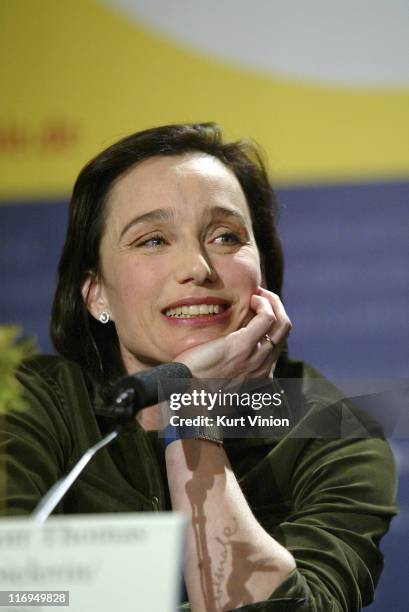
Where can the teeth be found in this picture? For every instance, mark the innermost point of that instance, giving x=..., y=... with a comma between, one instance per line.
x=194, y=310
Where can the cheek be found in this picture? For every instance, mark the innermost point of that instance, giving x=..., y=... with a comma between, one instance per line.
x=135, y=287
x=245, y=266
x=243, y=271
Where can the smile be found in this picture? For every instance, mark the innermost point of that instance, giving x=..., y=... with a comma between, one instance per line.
x=195, y=310
x=198, y=311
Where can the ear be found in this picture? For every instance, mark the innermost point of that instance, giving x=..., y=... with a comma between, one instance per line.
x=93, y=295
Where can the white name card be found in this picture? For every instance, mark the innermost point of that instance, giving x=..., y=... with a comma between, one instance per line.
x=107, y=562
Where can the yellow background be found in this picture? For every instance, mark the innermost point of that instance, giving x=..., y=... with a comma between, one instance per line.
x=92, y=73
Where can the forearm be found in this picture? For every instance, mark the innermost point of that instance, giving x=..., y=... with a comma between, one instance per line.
x=230, y=560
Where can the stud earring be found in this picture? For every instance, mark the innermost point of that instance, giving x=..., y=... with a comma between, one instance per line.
x=104, y=317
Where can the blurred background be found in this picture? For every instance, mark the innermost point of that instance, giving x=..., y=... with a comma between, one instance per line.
x=322, y=86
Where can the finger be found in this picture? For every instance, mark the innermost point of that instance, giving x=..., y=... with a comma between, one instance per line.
x=264, y=358
x=262, y=322
x=282, y=326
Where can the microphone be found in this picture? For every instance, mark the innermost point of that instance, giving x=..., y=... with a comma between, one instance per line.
x=130, y=395
x=140, y=390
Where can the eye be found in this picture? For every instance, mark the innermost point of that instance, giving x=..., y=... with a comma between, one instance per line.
x=228, y=238
x=152, y=242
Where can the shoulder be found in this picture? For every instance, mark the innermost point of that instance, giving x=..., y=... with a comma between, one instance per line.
x=322, y=409
x=328, y=432
x=337, y=435
x=59, y=403
x=47, y=367
x=52, y=372
x=53, y=385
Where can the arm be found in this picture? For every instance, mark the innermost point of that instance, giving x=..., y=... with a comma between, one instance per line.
x=34, y=442
x=338, y=497
x=328, y=502
x=343, y=498
x=230, y=559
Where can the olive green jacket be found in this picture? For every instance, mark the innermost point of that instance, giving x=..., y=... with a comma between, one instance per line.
x=328, y=501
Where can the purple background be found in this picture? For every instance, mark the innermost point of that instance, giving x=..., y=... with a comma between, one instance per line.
x=346, y=290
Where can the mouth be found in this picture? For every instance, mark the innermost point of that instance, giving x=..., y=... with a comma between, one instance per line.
x=191, y=309
x=197, y=310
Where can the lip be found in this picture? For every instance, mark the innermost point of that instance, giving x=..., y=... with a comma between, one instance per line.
x=199, y=320
x=192, y=301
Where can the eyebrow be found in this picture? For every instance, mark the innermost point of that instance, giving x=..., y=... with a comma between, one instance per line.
x=224, y=212
x=159, y=214
x=166, y=215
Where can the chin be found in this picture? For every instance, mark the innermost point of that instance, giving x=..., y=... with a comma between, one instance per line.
x=196, y=340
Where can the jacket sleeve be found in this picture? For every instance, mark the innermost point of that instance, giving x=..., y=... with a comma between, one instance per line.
x=34, y=444
x=343, y=498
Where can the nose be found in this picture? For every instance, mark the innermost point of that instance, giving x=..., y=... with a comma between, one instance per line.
x=193, y=265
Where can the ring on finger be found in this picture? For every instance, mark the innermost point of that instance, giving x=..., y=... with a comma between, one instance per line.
x=267, y=337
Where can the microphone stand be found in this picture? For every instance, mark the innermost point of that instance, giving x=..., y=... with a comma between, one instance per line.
x=50, y=500
x=132, y=394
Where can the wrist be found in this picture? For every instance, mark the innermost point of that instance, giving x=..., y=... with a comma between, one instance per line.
x=211, y=433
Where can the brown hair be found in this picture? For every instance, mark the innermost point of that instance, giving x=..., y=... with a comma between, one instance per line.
x=75, y=333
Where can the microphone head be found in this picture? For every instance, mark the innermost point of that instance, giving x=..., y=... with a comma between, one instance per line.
x=142, y=388
x=153, y=376
x=173, y=370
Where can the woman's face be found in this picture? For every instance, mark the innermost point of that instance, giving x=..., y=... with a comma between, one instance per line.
x=178, y=258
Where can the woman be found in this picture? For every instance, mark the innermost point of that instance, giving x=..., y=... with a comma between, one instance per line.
x=172, y=255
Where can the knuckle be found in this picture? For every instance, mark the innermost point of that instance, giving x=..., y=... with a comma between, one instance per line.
x=240, y=334
x=271, y=317
x=242, y=340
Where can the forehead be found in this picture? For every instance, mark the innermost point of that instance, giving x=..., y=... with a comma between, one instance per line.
x=193, y=179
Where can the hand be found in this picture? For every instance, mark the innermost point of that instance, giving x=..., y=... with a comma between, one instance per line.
x=244, y=353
